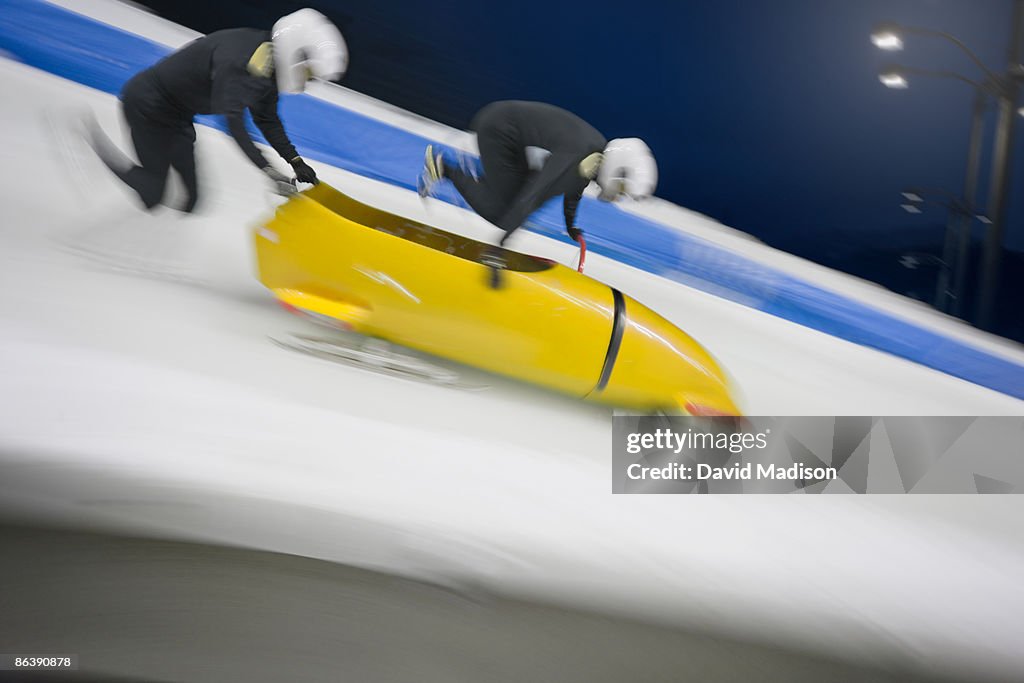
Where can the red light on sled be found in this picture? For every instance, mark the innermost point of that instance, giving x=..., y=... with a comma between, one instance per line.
x=704, y=411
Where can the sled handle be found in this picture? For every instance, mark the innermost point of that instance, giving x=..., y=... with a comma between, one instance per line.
x=583, y=252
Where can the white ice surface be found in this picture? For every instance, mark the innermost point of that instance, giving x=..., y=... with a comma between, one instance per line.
x=161, y=407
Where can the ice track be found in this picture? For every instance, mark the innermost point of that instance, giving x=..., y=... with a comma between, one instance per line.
x=159, y=405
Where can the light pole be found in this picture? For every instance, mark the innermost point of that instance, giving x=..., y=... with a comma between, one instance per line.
x=958, y=227
x=970, y=198
x=1004, y=87
x=958, y=230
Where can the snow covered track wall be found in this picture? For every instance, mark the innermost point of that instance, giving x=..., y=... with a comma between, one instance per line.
x=101, y=56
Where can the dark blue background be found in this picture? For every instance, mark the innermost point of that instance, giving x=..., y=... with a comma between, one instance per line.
x=765, y=115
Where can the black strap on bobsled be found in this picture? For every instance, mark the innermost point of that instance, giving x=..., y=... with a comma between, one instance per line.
x=618, y=328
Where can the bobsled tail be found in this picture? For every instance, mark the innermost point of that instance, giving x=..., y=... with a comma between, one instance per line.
x=385, y=276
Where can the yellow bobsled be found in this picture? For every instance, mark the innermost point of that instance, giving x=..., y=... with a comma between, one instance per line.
x=385, y=276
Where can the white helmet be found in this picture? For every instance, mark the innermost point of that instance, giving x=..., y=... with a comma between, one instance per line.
x=307, y=45
x=627, y=168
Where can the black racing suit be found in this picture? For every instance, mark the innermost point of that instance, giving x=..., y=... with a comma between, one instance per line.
x=224, y=73
x=509, y=190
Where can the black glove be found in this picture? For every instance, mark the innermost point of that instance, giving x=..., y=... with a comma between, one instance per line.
x=495, y=262
x=303, y=173
x=283, y=185
x=575, y=234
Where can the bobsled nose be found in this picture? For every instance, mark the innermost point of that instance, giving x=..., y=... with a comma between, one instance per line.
x=657, y=366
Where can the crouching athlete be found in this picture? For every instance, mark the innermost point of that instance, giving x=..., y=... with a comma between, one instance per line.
x=531, y=152
x=225, y=72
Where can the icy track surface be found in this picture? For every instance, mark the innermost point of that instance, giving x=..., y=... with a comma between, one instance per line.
x=159, y=405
